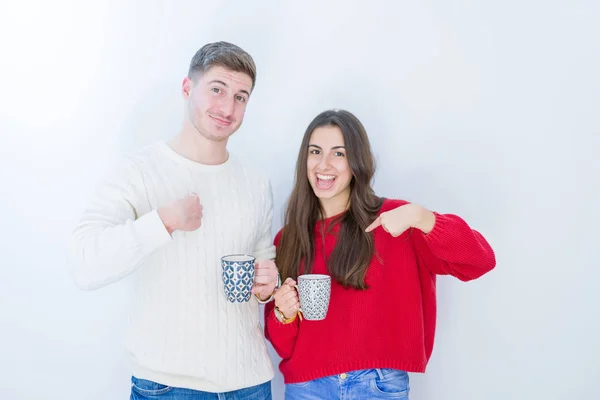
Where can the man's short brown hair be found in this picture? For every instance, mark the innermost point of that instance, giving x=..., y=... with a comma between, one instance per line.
x=223, y=54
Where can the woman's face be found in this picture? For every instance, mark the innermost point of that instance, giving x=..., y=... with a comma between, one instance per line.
x=327, y=167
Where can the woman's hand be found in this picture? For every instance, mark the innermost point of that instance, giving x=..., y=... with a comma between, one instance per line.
x=286, y=298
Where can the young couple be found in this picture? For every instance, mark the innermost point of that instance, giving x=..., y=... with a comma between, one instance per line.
x=169, y=213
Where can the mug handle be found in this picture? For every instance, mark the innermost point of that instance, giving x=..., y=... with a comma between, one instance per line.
x=299, y=312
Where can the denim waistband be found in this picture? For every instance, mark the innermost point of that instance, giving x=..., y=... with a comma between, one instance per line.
x=360, y=374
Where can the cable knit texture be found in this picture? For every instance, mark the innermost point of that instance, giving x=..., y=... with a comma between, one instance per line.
x=392, y=323
x=183, y=332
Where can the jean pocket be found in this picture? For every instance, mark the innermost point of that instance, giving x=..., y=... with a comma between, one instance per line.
x=259, y=392
x=391, y=383
x=299, y=384
x=148, y=388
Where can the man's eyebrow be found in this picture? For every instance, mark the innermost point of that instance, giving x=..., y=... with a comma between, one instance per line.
x=219, y=82
x=224, y=84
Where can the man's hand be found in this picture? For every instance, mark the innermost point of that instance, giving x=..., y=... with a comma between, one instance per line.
x=265, y=278
x=182, y=215
x=397, y=221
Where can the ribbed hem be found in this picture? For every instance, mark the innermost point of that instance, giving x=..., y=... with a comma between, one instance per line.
x=187, y=382
x=309, y=374
x=439, y=230
x=195, y=166
x=265, y=254
x=290, y=330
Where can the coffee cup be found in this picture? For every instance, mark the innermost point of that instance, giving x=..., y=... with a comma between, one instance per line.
x=238, y=277
x=314, y=291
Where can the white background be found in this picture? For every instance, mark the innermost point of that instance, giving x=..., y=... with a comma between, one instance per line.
x=484, y=109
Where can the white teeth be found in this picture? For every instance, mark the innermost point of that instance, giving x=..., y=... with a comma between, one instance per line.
x=325, y=177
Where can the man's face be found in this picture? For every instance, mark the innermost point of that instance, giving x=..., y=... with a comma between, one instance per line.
x=217, y=101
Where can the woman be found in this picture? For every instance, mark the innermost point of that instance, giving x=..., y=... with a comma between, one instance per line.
x=383, y=256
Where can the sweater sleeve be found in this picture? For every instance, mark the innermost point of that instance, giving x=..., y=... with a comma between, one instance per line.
x=264, y=249
x=282, y=336
x=453, y=248
x=111, y=240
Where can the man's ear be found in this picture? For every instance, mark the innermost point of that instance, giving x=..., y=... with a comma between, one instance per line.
x=186, y=87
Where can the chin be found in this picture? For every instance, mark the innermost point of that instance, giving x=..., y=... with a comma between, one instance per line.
x=217, y=136
x=325, y=195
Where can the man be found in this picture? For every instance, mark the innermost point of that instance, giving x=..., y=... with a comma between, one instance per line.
x=166, y=218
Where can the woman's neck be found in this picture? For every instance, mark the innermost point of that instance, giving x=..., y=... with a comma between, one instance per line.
x=332, y=207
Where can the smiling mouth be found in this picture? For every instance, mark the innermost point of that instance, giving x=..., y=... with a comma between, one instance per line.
x=220, y=121
x=325, y=182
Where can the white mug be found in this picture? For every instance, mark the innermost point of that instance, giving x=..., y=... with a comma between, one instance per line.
x=314, y=291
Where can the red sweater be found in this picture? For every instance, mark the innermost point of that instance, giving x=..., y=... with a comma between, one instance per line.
x=391, y=324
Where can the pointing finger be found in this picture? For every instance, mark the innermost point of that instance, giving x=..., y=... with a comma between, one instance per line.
x=374, y=225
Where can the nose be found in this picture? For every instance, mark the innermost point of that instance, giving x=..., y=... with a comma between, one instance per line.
x=324, y=163
x=226, y=106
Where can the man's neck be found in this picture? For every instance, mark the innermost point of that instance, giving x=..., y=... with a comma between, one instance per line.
x=195, y=147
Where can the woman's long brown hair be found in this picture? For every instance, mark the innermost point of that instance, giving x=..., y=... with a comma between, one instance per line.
x=354, y=248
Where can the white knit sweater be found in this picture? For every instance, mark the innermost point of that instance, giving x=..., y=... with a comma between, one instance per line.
x=183, y=332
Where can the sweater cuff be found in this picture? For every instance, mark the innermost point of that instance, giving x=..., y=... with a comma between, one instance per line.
x=265, y=254
x=290, y=329
x=151, y=231
x=440, y=230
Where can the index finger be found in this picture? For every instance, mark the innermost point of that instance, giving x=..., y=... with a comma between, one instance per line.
x=289, y=282
x=374, y=224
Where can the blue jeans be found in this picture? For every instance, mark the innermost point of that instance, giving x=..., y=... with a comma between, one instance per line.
x=355, y=385
x=142, y=389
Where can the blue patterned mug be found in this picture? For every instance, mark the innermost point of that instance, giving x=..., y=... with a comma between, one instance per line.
x=238, y=277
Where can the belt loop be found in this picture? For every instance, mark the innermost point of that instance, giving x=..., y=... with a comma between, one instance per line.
x=378, y=370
